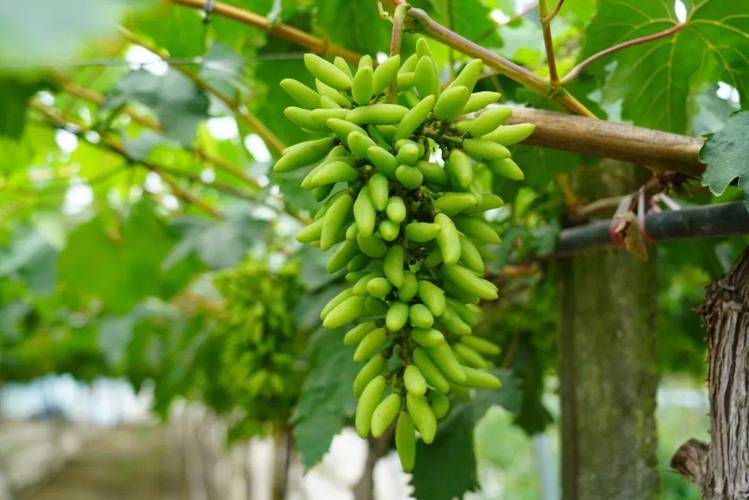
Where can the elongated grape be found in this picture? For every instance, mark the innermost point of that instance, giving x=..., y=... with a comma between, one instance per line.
x=414, y=381
x=384, y=414
x=368, y=401
x=405, y=441
x=327, y=72
x=408, y=228
x=370, y=370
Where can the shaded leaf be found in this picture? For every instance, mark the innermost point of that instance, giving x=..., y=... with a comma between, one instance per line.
x=354, y=25
x=178, y=103
x=14, y=99
x=218, y=244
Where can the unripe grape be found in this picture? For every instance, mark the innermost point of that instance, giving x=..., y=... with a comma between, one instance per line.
x=412, y=232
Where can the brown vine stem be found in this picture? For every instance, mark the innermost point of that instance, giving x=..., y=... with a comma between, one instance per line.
x=56, y=119
x=399, y=17
x=575, y=72
x=549, y=17
x=280, y=30
x=239, y=110
x=657, y=149
x=545, y=17
x=396, y=36
x=504, y=66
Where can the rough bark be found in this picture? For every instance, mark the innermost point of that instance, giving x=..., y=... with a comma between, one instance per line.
x=608, y=363
x=721, y=469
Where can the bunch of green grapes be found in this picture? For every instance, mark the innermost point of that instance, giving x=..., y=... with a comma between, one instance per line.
x=409, y=229
x=260, y=345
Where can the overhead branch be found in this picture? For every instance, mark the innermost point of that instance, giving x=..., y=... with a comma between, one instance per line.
x=654, y=148
x=421, y=21
x=239, y=109
x=280, y=30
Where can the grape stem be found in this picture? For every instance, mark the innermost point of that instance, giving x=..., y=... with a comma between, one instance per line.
x=399, y=17
x=424, y=23
x=546, y=17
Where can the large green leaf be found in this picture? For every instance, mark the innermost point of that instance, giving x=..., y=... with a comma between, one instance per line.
x=270, y=99
x=451, y=456
x=179, y=104
x=354, y=25
x=117, y=267
x=182, y=35
x=726, y=154
x=327, y=398
x=657, y=79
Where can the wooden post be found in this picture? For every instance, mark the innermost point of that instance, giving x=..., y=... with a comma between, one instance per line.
x=608, y=362
x=721, y=469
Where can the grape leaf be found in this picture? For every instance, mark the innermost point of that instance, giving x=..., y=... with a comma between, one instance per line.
x=222, y=68
x=326, y=399
x=271, y=100
x=451, y=457
x=218, y=244
x=120, y=268
x=726, y=154
x=356, y=26
x=179, y=104
x=14, y=99
x=181, y=36
x=30, y=256
x=446, y=469
x=657, y=79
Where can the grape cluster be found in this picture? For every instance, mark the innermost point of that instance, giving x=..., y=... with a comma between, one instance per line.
x=410, y=229
x=259, y=344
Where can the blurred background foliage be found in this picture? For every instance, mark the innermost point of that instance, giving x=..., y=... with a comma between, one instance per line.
x=142, y=234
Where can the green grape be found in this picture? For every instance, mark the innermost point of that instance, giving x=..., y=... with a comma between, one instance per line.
x=409, y=230
x=257, y=342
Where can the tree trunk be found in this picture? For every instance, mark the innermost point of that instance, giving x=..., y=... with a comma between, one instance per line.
x=608, y=362
x=281, y=458
x=721, y=469
x=376, y=449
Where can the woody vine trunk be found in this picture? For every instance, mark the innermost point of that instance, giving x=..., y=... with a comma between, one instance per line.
x=721, y=469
